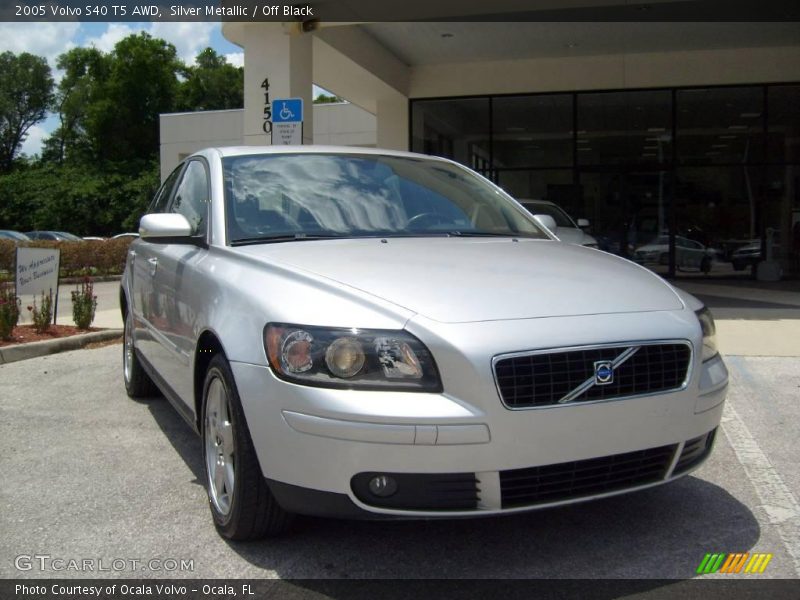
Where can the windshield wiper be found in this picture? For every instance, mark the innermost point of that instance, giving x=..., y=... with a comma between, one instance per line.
x=479, y=234
x=291, y=237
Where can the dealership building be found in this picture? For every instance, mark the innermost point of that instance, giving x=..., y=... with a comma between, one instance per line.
x=678, y=141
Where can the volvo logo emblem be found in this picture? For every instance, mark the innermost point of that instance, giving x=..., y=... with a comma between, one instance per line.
x=603, y=372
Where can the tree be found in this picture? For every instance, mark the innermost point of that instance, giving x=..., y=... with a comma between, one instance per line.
x=212, y=84
x=122, y=116
x=85, y=72
x=325, y=99
x=26, y=89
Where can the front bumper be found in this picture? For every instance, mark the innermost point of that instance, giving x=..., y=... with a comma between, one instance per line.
x=321, y=442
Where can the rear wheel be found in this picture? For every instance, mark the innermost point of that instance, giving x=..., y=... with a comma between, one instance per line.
x=137, y=382
x=241, y=504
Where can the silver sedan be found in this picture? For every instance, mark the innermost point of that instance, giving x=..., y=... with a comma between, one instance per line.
x=366, y=333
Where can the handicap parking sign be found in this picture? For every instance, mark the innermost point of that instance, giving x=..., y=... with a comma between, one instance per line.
x=287, y=110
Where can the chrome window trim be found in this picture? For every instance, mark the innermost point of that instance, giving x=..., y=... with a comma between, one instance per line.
x=683, y=386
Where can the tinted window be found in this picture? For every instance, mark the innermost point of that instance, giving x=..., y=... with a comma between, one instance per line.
x=191, y=197
x=161, y=199
x=457, y=129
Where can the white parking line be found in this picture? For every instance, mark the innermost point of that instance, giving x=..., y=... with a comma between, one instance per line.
x=777, y=501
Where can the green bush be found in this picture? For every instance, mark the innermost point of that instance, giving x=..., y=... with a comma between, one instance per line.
x=9, y=311
x=84, y=304
x=42, y=315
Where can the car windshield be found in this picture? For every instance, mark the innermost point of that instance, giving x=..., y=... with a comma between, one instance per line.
x=559, y=216
x=311, y=196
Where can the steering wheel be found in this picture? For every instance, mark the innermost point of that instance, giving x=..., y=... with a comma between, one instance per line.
x=424, y=220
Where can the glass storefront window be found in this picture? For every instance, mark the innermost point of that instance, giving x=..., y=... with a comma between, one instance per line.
x=720, y=125
x=718, y=207
x=630, y=214
x=693, y=198
x=532, y=131
x=456, y=129
x=783, y=123
x=781, y=216
x=633, y=128
x=553, y=185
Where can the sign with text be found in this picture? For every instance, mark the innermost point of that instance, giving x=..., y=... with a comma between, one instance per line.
x=37, y=271
x=287, y=134
x=287, y=122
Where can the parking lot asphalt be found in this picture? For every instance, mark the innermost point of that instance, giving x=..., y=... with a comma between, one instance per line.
x=90, y=474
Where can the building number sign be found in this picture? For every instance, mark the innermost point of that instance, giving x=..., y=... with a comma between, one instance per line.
x=267, y=125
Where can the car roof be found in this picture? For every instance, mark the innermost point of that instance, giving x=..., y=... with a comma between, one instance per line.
x=225, y=151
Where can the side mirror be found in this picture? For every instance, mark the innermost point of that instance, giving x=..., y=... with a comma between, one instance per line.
x=547, y=222
x=583, y=223
x=167, y=227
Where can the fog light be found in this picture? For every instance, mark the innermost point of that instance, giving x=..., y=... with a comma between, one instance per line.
x=382, y=486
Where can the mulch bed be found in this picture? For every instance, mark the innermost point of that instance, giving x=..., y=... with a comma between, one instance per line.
x=22, y=334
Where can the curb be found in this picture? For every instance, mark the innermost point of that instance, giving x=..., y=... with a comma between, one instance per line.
x=11, y=354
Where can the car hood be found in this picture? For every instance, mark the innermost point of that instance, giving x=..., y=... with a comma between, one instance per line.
x=457, y=280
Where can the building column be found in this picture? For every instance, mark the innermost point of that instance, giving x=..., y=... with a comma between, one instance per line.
x=392, y=122
x=280, y=53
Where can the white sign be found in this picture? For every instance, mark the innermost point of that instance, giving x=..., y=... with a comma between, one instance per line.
x=37, y=271
x=287, y=134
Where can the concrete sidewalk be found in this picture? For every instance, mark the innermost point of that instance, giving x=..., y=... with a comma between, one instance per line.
x=752, y=320
x=107, y=314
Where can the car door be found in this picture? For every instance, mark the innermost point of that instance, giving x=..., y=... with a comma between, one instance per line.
x=176, y=281
x=143, y=254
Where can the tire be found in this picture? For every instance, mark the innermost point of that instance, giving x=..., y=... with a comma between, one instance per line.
x=137, y=382
x=241, y=503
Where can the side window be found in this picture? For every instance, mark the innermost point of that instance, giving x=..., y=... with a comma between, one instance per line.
x=191, y=197
x=159, y=203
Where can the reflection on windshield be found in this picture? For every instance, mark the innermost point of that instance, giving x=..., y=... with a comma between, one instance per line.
x=317, y=195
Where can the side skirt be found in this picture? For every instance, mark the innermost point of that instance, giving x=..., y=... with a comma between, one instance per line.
x=169, y=393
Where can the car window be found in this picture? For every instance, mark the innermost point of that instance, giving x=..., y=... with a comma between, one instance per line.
x=161, y=199
x=191, y=197
x=362, y=195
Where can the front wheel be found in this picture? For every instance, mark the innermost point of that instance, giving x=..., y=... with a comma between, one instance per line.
x=241, y=504
x=137, y=382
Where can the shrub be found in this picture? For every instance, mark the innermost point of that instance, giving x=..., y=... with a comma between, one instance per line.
x=9, y=311
x=84, y=304
x=42, y=315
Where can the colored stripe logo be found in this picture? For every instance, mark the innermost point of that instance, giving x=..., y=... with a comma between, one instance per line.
x=737, y=562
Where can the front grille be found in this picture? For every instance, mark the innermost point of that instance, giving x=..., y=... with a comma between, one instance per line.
x=543, y=379
x=695, y=451
x=577, y=479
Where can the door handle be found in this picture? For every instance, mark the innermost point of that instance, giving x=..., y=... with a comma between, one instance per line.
x=153, y=265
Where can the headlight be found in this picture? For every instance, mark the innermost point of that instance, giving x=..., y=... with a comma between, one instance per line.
x=350, y=358
x=709, y=333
